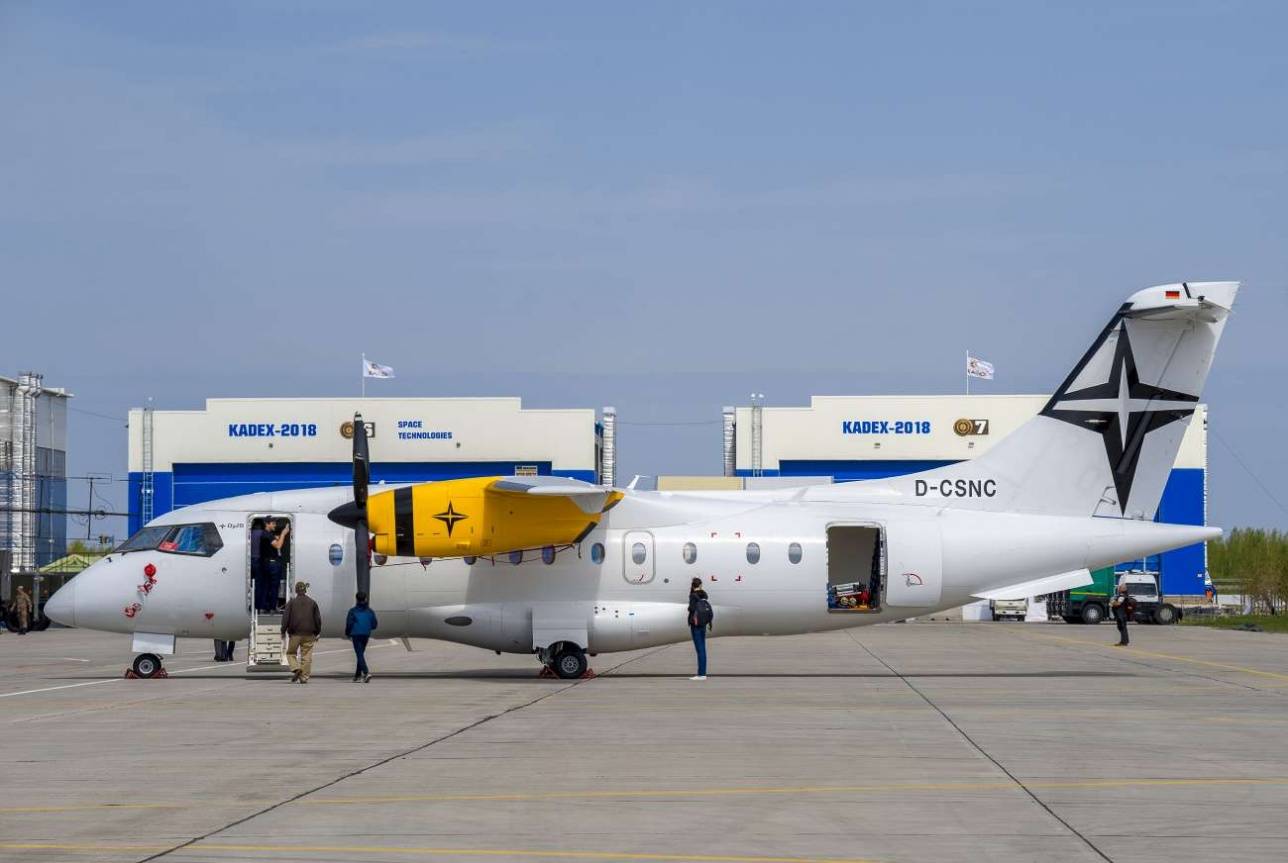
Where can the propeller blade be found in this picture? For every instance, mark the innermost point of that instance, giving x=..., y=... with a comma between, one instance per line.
x=362, y=554
x=361, y=462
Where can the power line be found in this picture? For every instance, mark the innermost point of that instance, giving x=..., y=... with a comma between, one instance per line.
x=118, y=419
x=1249, y=470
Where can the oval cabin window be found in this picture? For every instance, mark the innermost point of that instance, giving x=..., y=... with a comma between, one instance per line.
x=597, y=552
x=516, y=557
x=690, y=553
x=639, y=553
x=548, y=555
x=794, y=552
x=753, y=552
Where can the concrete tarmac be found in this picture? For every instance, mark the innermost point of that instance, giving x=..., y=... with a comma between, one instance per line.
x=914, y=742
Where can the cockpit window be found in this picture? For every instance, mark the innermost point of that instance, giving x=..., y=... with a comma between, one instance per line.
x=145, y=539
x=201, y=540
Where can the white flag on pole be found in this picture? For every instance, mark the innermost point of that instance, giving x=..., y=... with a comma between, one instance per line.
x=977, y=368
x=376, y=370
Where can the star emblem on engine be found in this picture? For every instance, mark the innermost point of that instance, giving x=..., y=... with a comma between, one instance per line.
x=450, y=517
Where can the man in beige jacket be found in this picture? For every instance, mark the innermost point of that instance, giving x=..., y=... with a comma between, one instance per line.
x=302, y=621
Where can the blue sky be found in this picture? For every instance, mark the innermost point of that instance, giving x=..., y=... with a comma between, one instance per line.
x=659, y=206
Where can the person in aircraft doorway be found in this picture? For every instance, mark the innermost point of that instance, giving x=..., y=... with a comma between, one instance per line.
x=258, y=563
x=1123, y=606
x=358, y=627
x=282, y=543
x=302, y=621
x=700, y=618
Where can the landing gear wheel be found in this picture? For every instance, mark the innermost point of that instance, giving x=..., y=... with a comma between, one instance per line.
x=1165, y=615
x=147, y=665
x=570, y=663
x=1092, y=614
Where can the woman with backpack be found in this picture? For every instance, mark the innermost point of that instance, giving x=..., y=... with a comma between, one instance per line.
x=700, y=617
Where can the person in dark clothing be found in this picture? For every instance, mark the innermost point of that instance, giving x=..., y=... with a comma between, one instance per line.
x=258, y=573
x=1120, y=605
x=224, y=650
x=698, y=604
x=302, y=621
x=358, y=626
x=274, y=555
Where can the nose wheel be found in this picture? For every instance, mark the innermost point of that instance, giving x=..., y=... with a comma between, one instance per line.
x=146, y=666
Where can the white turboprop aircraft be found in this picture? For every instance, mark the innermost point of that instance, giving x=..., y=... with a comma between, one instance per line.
x=559, y=568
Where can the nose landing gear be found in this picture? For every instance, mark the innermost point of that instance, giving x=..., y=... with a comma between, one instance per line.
x=146, y=666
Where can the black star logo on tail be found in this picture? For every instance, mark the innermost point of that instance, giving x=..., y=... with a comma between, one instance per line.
x=450, y=517
x=1122, y=410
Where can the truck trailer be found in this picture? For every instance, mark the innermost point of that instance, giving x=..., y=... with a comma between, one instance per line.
x=1090, y=604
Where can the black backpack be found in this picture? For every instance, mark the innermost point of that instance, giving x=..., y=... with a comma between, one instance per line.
x=703, y=613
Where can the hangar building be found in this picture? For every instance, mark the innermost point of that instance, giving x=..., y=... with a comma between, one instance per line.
x=239, y=446
x=872, y=437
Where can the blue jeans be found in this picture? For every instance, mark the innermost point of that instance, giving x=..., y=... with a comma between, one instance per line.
x=360, y=649
x=700, y=645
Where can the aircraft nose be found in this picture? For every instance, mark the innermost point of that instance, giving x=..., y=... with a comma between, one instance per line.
x=61, y=607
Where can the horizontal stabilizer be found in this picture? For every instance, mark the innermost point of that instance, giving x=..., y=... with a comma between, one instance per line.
x=1038, y=586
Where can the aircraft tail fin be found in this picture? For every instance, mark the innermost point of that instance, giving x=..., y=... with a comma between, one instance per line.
x=1106, y=442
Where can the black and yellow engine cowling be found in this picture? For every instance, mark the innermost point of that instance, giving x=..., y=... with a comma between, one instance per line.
x=478, y=517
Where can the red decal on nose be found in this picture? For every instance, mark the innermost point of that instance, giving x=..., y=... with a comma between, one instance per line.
x=210, y=615
x=149, y=570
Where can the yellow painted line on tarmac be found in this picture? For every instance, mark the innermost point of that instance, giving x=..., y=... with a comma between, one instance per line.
x=784, y=790
x=511, y=853
x=1135, y=651
x=627, y=794
x=89, y=807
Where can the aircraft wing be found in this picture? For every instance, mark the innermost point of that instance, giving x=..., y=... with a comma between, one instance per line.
x=1038, y=586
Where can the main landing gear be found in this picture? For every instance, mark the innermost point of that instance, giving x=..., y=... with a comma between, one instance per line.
x=146, y=665
x=566, y=661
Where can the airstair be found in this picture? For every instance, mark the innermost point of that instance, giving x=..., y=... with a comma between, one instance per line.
x=266, y=651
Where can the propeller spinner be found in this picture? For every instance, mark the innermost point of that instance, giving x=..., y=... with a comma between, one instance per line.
x=354, y=514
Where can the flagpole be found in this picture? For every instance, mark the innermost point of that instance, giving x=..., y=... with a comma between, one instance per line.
x=364, y=375
x=968, y=371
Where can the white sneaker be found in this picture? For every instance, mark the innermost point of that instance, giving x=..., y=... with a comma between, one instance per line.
x=699, y=677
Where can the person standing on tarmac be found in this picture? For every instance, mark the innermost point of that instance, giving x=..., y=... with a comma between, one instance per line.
x=1122, y=606
x=700, y=617
x=358, y=626
x=22, y=607
x=302, y=621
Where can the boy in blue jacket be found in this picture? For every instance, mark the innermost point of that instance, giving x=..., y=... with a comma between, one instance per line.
x=358, y=626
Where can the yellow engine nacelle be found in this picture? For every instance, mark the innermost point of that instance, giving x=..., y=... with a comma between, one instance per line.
x=462, y=517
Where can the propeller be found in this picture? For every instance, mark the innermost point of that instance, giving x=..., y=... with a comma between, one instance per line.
x=353, y=515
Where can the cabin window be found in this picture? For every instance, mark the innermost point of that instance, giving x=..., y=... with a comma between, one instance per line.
x=794, y=553
x=516, y=557
x=753, y=552
x=548, y=555
x=597, y=553
x=690, y=553
x=639, y=553
x=469, y=559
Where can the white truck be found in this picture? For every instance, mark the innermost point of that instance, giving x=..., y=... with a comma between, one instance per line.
x=1009, y=609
